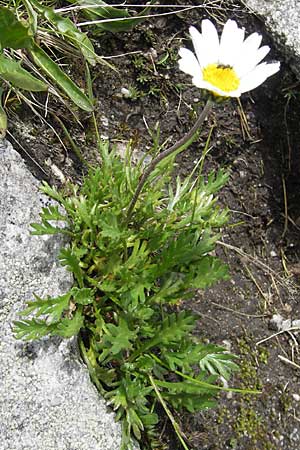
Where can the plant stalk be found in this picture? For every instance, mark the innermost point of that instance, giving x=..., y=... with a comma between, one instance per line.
x=186, y=138
x=169, y=414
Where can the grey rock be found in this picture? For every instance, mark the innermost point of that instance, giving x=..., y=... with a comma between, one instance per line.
x=282, y=17
x=47, y=401
x=296, y=323
x=275, y=323
x=278, y=323
x=296, y=397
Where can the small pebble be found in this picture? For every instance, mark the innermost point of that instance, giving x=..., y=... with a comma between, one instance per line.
x=278, y=323
x=286, y=324
x=104, y=121
x=153, y=53
x=125, y=92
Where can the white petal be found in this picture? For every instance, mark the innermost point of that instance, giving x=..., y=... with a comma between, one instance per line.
x=247, y=54
x=258, y=76
x=261, y=53
x=188, y=62
x=252, y=42
x=199, y=46
x=231, y=42
x=252, y=61
x=206, y=45
x=198, y=80
x=211, y=39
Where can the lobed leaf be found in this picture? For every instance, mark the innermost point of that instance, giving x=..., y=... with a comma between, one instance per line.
x=71, y=261
x=70, y=327
x=219, y=363
x=83, y=296
x=119, y=337
x=54, y=307
x=52, y=213
x=44, y=228
x=31, y=329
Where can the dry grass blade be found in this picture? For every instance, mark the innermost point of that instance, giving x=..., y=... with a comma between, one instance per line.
x=239, y=313
x=276, y=334
x=288, y=361
x=251, y=258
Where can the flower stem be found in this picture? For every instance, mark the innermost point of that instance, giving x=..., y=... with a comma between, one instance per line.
x=168, y=412
x=181, y=143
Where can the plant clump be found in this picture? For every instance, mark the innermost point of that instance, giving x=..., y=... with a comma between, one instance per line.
x=130, y=276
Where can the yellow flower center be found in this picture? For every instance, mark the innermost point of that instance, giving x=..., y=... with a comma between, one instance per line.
x=222, y=77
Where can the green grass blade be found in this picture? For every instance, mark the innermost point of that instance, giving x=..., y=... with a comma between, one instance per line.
x=67, y=28
x=54, y=72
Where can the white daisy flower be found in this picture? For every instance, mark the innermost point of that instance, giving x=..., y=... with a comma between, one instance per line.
x=229, y=66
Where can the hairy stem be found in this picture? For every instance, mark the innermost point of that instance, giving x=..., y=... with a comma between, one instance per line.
x=181, y=143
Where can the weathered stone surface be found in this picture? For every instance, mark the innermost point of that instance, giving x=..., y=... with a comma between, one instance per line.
x=282, y=17
x=47, y=401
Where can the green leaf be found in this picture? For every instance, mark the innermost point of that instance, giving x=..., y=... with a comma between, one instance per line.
x=52, y=213
x=83, y=210
x=52, y=192
x=117, y=397
x=32, y=16
x=187, y=354
x=149, y=419
x=70, y=327
x=181, y=189
x=215, y=181
x=105, y=11
x=207, y=272
x=31, y=329
x=52, y=69
x=53, y=306
x=192, y=402
x=109, y=226
x=83, y=296
x=70, y=260
x=44, y=228
x=12, y=71
x=183, y=386
x=67, y=28
x=184, y=394
x=181, y=251
x=145, y=363
x=219, y=362
x=173, y=329
x=13, y=34
x=119, y=337
x=176, y=326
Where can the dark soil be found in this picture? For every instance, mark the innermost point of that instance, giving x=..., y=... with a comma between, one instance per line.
x=258, y=140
